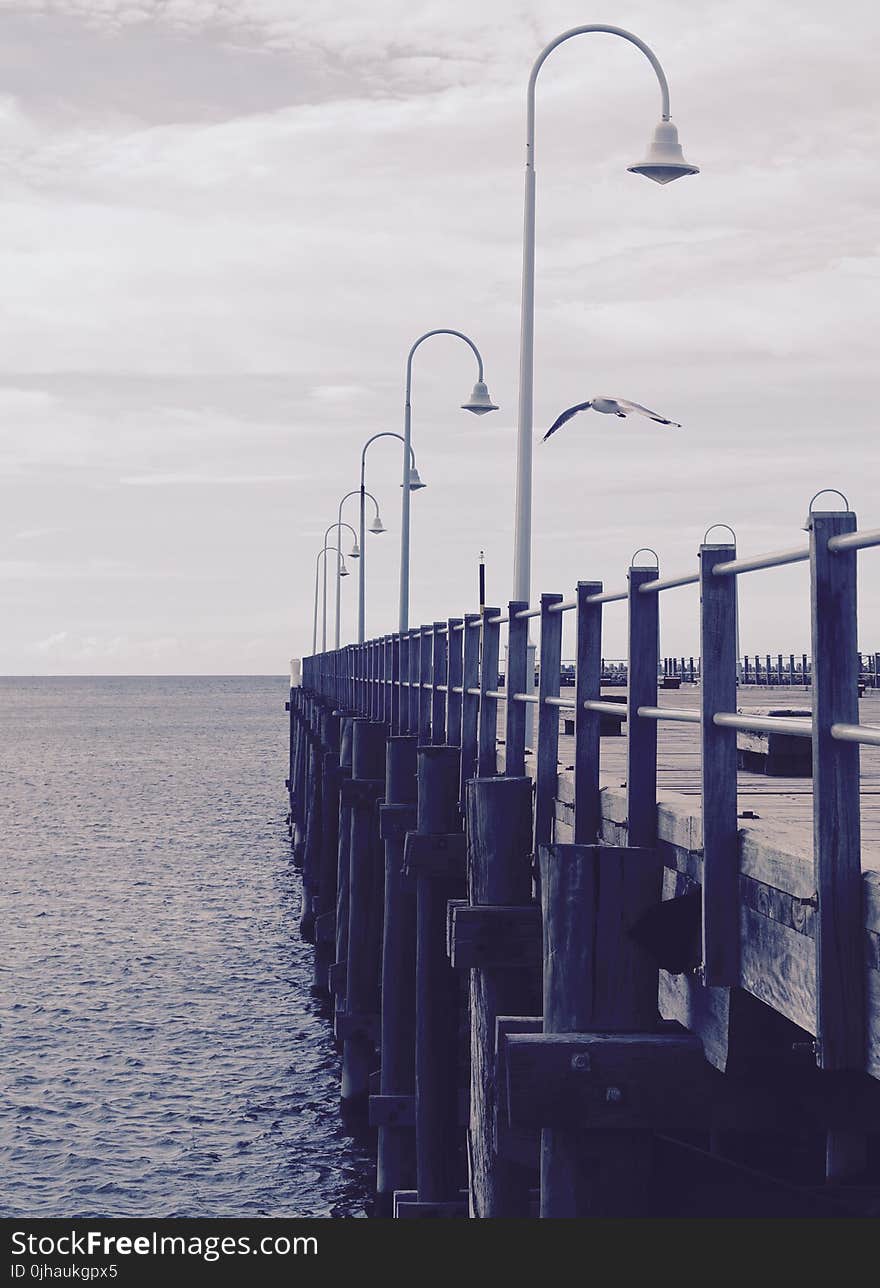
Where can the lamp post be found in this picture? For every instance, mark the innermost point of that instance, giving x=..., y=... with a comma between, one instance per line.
x=663, y=163
x=478, y=403
x=413, y=484
x=343, y=573
x=358, y=551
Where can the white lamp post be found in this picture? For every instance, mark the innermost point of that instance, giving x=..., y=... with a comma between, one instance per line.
x=343, y=573
x=663, y=163
x=357, y=550
x=478, y=403
x=414, y=483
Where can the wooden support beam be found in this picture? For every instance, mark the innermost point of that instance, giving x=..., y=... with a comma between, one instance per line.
x=343, y=865
x=718, y=770
x=502, y=938
x=840, y=996
x=607, y=1081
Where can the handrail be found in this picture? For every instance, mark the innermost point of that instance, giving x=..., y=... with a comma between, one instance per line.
x=733, y=567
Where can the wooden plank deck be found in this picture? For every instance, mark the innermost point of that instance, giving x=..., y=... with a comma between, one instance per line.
x=778, y=889
x=783, y=805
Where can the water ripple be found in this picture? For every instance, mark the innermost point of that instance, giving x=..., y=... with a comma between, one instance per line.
x=161, y=1053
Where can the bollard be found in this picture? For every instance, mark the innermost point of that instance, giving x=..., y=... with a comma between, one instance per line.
x=358, y=1025
x=392, y=1110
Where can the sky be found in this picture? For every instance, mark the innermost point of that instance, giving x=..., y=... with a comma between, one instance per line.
x=223, y=223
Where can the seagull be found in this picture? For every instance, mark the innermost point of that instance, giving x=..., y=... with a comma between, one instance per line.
x=611, y=407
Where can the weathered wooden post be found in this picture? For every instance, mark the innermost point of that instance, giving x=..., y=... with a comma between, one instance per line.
x=325, y=888
x=641, y=769
x=840, y=990
x=470, y=710
x=343, y=866
x=393, y=1110
x=588, y=688
x=548, y=719
x=439, y=669
x=424, y=684
x=454, y=669
x=498, y=936
x=312, y=846
x=597, y=980
x=721, y=902
x=359, y=1024
x=516, y=681
x=434, y=854
x=487, y=736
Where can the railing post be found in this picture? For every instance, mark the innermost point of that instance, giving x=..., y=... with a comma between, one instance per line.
x=454, y=668
x=840, y=1002
x=546, y=766
x=641, y=769
x=470, y=705
x=424, y=691
x=588, y=687
x=439, y=667
x=721, y=900
x=515, y=681
x=487, y=756
x=415, y=662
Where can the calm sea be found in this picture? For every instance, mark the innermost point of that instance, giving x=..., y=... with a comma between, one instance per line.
x=160, y=1052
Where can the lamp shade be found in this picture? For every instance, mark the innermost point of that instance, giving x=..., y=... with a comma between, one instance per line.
x=479, y=402
x=355, y=552
x=665, y=160
x=343, y=571
x=415, y=481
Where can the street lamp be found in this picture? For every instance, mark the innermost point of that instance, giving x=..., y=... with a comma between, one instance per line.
x=479, y=403
x=663, y=163
x=376, y=526
x=343, y=573
x=413, y=484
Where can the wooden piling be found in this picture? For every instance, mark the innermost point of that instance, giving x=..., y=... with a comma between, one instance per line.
x=395, y=1167
x=499, y=826
x=343, y=866
x=435, y=854
x=596, y=978
x=325, y=894
x=360, y=1021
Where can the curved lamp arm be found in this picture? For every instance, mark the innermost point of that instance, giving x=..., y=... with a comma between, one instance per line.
x=585, y=31
x=357, y=492
x=385, y=433
x=441, y=331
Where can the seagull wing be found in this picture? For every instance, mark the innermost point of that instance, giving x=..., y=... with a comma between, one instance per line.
x=646, y=411
x=566, y=415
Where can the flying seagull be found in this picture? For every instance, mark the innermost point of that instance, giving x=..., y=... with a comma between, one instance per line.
x=611, y=407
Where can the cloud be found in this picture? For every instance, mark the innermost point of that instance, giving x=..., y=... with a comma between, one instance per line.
x=207, y=480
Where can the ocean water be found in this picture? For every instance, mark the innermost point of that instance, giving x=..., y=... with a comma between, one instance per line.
x=160, y=1052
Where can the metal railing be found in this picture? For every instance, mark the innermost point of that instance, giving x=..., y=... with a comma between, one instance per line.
x=440, y=681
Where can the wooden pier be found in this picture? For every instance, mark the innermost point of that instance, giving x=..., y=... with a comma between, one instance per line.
x=634, y=969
